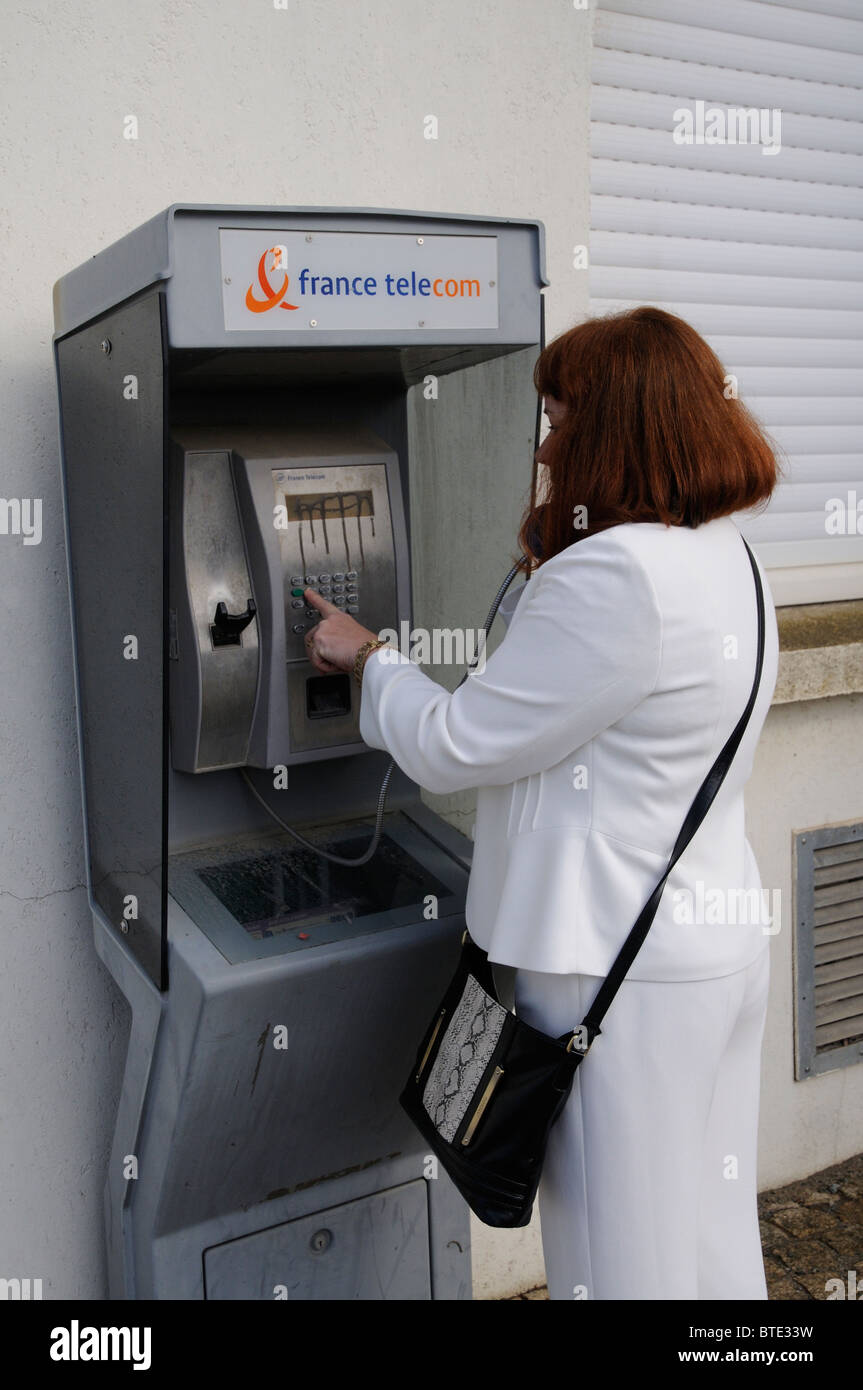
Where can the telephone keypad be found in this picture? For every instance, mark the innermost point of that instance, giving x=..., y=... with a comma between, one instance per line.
x=341, y=589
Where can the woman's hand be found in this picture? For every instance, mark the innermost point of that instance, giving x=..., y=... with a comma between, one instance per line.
x=334, y=641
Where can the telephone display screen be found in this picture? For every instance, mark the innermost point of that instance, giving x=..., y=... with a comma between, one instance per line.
x=321, y=506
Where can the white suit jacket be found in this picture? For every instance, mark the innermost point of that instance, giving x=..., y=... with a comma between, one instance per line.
x=627, y=661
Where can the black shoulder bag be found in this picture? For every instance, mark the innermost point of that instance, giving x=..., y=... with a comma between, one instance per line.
x=486, y=1087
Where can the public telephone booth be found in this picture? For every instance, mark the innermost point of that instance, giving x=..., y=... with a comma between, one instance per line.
x=234, y=390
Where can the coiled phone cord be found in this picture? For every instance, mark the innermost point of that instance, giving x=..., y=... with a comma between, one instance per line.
x=382, y=794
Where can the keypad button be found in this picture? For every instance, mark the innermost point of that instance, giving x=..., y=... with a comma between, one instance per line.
x=311, y=579
x=296, y=603
x=325, y=578
x=298, y=628
x=296, y=579
x=352, y=608
x=338, y=577
x=340, y=601
x=353, y=574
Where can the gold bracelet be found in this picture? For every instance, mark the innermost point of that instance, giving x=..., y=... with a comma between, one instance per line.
x=366, y=650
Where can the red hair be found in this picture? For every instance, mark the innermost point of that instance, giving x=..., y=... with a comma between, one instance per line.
x=648, y=434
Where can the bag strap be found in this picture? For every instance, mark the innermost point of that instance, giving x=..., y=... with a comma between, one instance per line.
x=582, y=1037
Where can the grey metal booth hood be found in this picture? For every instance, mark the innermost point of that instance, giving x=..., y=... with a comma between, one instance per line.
x=148, y=255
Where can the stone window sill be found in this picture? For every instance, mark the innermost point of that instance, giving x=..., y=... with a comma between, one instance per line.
x=820, y=651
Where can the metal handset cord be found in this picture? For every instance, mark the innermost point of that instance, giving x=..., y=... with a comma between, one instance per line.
x=325, y=854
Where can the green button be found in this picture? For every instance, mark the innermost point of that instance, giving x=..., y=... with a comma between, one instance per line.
x=297, y=593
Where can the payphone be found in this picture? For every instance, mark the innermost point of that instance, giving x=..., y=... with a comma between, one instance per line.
x=257, y=523
x=234, y=405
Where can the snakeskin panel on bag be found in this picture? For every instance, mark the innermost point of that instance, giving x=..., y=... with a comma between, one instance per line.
x=463, y=1055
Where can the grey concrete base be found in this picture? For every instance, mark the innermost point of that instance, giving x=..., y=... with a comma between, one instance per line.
x=820, y=651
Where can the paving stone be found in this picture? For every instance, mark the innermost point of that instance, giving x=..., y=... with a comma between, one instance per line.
x=776, y=1243
x=850, y=1210
x=847, y=1245
x=781, y=1284
x=812, y=1263
x=845, y=1237
x=800, y=1221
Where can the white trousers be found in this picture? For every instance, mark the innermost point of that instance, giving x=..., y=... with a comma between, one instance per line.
x=649, y=1185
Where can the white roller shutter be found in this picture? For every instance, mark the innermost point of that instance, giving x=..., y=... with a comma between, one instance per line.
x=761, y=253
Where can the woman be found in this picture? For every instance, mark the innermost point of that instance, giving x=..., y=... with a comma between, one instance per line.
x=629, y=657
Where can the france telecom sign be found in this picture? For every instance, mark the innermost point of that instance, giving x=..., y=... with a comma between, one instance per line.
x=312, y=281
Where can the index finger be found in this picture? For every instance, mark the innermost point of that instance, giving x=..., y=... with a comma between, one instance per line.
x=318, y=601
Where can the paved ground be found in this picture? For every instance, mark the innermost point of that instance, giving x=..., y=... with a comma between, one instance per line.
x=811, y=1231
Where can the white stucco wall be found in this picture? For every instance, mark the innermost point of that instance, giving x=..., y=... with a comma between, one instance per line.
x=806, y=774
x=237, y=102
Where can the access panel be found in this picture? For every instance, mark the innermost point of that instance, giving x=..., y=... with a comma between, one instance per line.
x=374, y=1248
